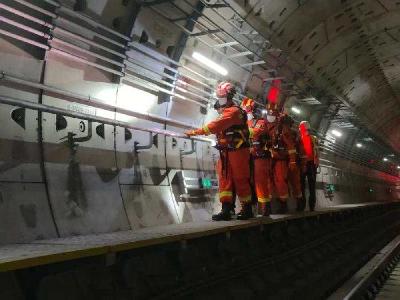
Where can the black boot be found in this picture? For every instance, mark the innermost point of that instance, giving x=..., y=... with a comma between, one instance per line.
x=301, y=204
x=225, y=214
x=246, y=212
x=265, y=209
x=283, y=209
x=311, y=203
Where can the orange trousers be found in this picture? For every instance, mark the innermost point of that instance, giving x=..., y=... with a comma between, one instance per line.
x=280, y=178
x=295, y=182
x=262, y=177
x=233, y=169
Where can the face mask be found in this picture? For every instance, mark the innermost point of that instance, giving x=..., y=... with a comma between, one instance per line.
x=250, y=117
x=271, y=118
x=222, y=101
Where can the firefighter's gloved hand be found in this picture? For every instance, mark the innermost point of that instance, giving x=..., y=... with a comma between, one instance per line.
x=190, y=133
x=292, y=166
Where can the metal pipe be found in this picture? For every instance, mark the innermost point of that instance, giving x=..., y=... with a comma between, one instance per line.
x=123, y=46
x=37, y=8
x=24, y=27
x=23, y=39
x=191, y=150
x=163, y=74
x=204, y=42
x=91, y=53
x=15, y=11
x=78, y=115
x=155, y=87
x=24, y=15
x=158, y=56
x=149, y=144
x=73, y=57
x=59, y=51
x=44, y=35
x=132, y=60
x=87, y=41
x=93, y=102
x=86, y=19
x=165, y=83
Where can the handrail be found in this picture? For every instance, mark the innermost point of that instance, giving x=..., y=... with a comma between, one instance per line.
x=88, y=117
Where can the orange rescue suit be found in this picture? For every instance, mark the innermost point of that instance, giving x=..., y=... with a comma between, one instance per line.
x=260, y=143
x=283, y=156
x=233, y=167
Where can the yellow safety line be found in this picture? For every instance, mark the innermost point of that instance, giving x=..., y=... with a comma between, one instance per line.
x=24, y=263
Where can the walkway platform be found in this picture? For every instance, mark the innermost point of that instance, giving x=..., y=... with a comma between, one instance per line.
x=42, y=252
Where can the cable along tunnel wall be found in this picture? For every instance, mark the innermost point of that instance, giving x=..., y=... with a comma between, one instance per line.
x=63, y=176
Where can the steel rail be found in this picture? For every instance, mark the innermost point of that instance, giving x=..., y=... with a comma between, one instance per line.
x=264, y=262
x=359, y=285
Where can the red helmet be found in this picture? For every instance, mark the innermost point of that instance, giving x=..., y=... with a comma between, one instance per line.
x=224, y=89
x=274, y=91
x=248, y=105
x=304, y=127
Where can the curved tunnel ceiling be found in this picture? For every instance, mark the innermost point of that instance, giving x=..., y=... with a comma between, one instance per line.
x=348, y=49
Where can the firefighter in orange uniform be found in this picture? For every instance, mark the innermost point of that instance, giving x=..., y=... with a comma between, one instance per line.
x=261, y=156
x=310, y=162
x=294, y=171
x=283, y=146
x=233, y=167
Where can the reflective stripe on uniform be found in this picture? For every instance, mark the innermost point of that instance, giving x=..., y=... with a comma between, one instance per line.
x=225, y=194
x=292, y=151
x=263, y=200
x=206, y=130
x=245, y=199
x=251, y=131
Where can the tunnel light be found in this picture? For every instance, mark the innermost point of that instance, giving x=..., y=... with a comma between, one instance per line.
x=296, y=110
x=359, y=145
x=336, y=133
x=209, y=63
x=385, y=159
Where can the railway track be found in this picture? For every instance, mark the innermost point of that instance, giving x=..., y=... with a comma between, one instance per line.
x=308, y=270
x=377, y=279
x=310, y=256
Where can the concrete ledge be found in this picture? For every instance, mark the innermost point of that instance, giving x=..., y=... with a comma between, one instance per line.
x=21, y=256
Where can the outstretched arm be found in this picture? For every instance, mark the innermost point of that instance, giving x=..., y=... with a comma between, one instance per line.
x=223, y=122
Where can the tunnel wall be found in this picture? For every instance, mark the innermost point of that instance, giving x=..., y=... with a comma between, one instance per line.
x=61, y=176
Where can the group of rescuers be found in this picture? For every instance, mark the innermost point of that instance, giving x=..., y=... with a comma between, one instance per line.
x=259, y=155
